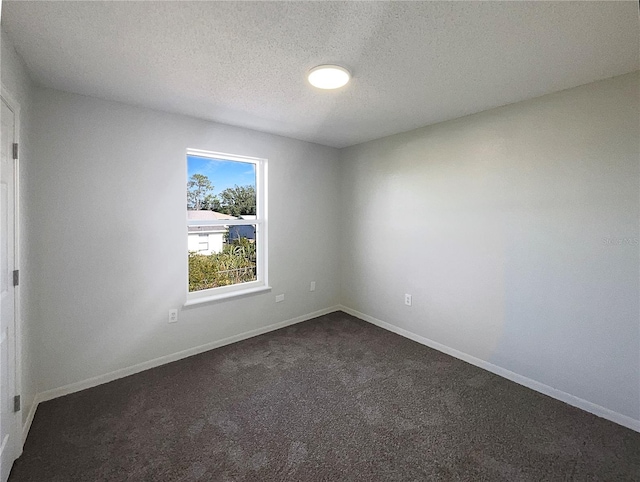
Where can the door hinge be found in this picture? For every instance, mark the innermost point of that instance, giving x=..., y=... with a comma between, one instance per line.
x=16, y=277
x=15, y=150
x=16, y=403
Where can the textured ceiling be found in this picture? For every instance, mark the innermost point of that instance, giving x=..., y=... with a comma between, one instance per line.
x=243, y=63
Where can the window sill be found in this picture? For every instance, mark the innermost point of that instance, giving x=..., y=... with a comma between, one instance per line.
x=228, y=295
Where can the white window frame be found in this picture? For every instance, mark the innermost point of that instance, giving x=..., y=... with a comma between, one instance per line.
x=262, y=282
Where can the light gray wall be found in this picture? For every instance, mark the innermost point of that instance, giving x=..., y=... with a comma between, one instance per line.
x=497, y=224
x=17, y=82
x=111, y=243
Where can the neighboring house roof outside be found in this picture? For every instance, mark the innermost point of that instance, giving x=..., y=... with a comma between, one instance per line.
x=204, y=215
x=207, y=229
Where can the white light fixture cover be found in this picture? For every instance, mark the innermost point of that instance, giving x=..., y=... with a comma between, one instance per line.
x=328, y=76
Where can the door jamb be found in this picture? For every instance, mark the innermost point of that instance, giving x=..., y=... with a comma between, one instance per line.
x=15, y=106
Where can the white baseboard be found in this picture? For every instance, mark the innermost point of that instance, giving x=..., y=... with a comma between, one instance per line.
x=520, y=379
x=27, y=423
x=156, y=362
x=590, y=407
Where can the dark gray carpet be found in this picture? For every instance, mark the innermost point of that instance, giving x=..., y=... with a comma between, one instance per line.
x=330, y=399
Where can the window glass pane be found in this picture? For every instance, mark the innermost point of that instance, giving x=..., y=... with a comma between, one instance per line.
x=230, y=257
x=224, y=187
x=221, y=254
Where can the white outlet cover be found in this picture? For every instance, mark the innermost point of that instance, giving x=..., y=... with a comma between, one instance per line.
x=312, y=286
x=279, y=298
x=173, y=316
x=407, y=300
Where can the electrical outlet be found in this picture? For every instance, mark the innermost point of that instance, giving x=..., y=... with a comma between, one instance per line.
x=173, y=316
x=312, y=286
x=279, y=298
x=407, y=299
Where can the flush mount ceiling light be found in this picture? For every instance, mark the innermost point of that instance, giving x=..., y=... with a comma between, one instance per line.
x=328, y=76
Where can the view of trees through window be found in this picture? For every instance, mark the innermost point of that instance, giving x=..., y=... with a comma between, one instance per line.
x=222, y=249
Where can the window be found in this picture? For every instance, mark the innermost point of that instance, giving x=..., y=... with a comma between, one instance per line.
x=226, y=225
